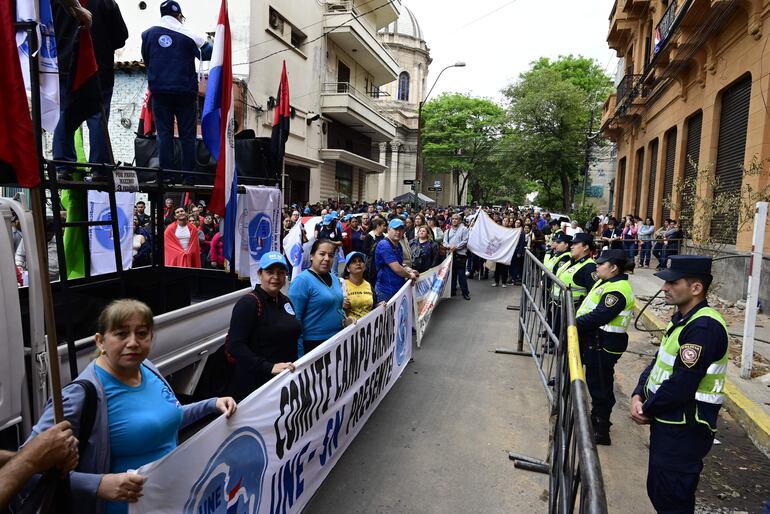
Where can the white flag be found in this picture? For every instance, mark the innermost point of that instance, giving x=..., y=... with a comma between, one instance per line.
x=257, y=228
x=292, y=248
x=492, y=242
x=101, y=236
x=40, y=11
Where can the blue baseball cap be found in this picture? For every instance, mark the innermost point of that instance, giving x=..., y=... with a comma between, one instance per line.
x=347, y=217
x=307, y=210
x=396, y=223
x=335, y=214
x=327, y=219
x=349, y=257
x=272, y=258
x=170, y=8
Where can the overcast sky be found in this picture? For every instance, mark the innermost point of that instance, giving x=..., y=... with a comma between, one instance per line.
x=499, y=38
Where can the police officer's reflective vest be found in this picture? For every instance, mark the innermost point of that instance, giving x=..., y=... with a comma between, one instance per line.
x=548, y=260
x=711, y=387
x=619, y=324
x=567, y=274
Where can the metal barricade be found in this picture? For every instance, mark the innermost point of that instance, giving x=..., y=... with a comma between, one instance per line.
x=547, y=324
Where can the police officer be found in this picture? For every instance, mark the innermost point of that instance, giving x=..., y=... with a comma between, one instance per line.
x=681, y=391
x=579, y=273
x=602, y=320
x=559, y=257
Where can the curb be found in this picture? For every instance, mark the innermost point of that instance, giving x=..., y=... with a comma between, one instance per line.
x=751, y=417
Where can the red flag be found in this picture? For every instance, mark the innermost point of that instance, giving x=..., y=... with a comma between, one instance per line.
x=146, y=121
x=18, y=156
x=281, y=121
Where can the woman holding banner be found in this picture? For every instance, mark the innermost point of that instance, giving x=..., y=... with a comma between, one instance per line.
x=136, y=415
x=263, y=331
x=317, y=297
x=359, y=295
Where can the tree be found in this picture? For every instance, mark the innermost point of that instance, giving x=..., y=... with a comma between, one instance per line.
x=551, y=108
x=460, y=134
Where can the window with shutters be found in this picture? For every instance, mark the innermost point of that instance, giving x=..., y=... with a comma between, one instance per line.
x=692, y=154
x=731, y=150
x=621, y=186
x=639, y=173
x=668, y=171
x=651, y=178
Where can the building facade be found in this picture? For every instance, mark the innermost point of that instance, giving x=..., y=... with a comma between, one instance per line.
x=691, y=94
x=335, y=64
x=601, y=178
x=400, y=99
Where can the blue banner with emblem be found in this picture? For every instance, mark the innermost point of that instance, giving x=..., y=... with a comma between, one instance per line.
x=275, y=451
x=257, y=228
x=100, y=237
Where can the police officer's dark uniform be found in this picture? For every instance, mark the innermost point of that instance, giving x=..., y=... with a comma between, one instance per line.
x=553, y=263
x=602, y=321
x=683, y=390
x=580, y=274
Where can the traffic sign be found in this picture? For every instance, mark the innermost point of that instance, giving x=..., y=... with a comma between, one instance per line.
x=435, y=189
x=408, y=182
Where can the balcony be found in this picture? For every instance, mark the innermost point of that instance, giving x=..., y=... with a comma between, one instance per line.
x=635, y=5
x=663, y=29
x=621, y=25
x=356, y=34
x=630, y=97
x=342, y=102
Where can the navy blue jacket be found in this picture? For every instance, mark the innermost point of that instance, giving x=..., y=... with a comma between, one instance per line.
x=169, y=57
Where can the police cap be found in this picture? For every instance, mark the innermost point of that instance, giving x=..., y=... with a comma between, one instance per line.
x=582, y=237
x=617, y=257
x=561, y=237
x=681, y=266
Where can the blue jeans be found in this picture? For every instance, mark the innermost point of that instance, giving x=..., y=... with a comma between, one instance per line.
x=382, y=297
x=644, y=256
x=166, y=107
x=629, y=246
x=458, y=273
x=64, y=143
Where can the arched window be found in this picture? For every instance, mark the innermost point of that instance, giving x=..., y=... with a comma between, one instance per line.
x=403, y=86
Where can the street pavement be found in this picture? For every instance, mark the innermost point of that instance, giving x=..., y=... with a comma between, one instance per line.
x=439, y=441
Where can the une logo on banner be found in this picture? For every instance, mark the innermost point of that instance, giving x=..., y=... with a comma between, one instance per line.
x=231, y=482
x=260, y=235
x=295, y=255
x=103, y=233
x=401, y=333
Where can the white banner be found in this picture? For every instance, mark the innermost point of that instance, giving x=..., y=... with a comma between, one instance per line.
x=491, y=241
x=429, y=289
x=100, y=237
x=292, y=248
x=285, y=438
x=257, y=228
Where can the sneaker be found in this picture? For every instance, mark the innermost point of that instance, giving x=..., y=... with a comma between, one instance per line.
x=467, y=296
x=504, y=286
x=495, y=285
x=467, y=273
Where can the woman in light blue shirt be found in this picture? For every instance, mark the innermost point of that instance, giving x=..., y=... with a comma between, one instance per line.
x=317, y=298
x=645, y=235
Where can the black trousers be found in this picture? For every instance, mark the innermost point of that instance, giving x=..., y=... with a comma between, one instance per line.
x=501, y=273
x=676, y=461
x=600, y=379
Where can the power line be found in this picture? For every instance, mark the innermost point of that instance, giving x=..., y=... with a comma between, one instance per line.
x=324, y=34
x=490, y=13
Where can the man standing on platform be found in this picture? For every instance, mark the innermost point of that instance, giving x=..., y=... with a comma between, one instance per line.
x=169, y=50
x=680, y=393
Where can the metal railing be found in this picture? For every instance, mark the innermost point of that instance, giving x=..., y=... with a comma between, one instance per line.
x=663, y=29
x=368, y=97
x=547, y=324
x=629, y=88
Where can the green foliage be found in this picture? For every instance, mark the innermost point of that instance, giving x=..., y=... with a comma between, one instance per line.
x=584, y=214
x=553, y=107
x=460, y=134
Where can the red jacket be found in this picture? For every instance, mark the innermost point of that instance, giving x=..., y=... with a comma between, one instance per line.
x=175, y=254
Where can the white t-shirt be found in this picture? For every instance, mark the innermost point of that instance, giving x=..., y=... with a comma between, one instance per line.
x=183, y=234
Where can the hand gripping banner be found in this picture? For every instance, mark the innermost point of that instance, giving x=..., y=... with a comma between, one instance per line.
x=285, y=438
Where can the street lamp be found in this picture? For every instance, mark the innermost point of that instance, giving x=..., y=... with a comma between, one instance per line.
x=418, y=169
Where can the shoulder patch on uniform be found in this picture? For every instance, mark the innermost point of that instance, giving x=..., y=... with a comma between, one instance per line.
x=600, y=291
x=594, y=275
x=690, y=353
x=610, y=300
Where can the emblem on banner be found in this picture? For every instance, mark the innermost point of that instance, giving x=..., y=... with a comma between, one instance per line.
x=260, y=235
x=402, y=338
x=295, y=254
x=103, y=233
x=232, y=480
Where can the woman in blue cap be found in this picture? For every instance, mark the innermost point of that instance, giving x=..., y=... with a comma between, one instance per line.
x=263, y=330
x=317, y=297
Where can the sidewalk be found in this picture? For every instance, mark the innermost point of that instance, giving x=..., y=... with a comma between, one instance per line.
x=748, y=401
